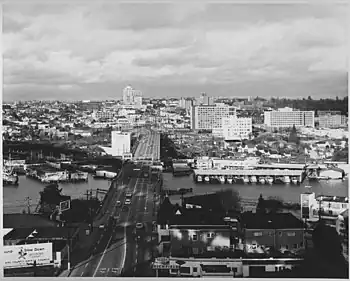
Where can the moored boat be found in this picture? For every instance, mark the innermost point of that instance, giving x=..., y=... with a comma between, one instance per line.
x=229, y=180
x=246, y=179
x=253, y=179
x=262, y=180
x=294, y=180
x=286, y=179
x=222, y=179
x=9, y=178
x=206, y=179
x=199, y=179
x=269, y=180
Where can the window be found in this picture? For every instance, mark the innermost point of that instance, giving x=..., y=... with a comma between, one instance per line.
x=210, y=235
x=287, y=247
x=301, y=244
x=257, y=233
x=194, y=237
x=185, y=269
x=290, y=234
x=195, y=270
x=295, y=246
x=280, y=233
x=195, y=251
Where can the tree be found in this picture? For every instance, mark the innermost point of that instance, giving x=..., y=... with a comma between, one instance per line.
x=229, y=199
x=325, y=259
x=293, y=136
x=273, y=204
x=260, y=207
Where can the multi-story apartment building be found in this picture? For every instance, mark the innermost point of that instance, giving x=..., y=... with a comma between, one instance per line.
x=208, y=117
x=331, y=121
x=195, y=241
x=281, y=231
x=287, y=117
x=234, y=128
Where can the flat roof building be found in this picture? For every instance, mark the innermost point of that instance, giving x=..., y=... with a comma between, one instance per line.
x=287, y=117
x=208, y=117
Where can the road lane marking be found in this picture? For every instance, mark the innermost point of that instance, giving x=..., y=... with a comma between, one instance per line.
x=104, y=252
x=82, y=274
x=86, y=265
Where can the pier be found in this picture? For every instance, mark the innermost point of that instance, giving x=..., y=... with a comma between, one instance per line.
x=247, y=175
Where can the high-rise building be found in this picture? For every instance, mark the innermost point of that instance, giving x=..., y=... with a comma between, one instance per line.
x=131, y=96
x=188, y=104
x=120, y=143
x=207, y=117
x=287, y=117
x=128, y=95
x=204, y=99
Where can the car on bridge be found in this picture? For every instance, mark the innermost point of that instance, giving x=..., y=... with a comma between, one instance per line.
x=139, y=225
x=127, y=201
x=119, y=203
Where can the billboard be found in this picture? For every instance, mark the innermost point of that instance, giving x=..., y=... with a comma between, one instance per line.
x=25, y=255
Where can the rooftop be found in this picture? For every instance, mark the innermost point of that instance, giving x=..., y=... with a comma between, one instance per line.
x=26, y=221
x=40, y=232
x=270, y=221
x=339, y=199
x=183, y=216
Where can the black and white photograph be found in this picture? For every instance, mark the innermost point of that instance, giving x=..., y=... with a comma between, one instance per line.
x=175, y=139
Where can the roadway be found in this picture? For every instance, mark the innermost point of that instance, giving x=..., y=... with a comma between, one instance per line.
x=149, y=146
x=123, y=256
x=120, y=248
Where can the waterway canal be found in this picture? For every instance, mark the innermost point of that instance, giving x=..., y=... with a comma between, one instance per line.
x=15, y=197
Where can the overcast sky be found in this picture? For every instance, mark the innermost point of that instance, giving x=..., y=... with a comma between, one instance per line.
x=93, y=51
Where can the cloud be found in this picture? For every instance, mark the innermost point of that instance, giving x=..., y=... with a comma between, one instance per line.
x=194, y=44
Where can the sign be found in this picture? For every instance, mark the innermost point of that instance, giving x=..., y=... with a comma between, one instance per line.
x=162, y=260
x=25, y=255
x=64, y=205
x=164, y=266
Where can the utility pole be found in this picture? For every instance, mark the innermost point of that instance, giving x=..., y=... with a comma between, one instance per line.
x=28, y=204
x=319, y=209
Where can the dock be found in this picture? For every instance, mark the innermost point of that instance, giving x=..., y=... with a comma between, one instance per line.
x=247, y=175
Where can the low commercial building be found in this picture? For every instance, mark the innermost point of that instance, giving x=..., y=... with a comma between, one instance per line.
x=50, y=245
x=327, y=207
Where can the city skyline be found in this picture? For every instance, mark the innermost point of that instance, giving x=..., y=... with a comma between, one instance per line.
x=79, y=52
